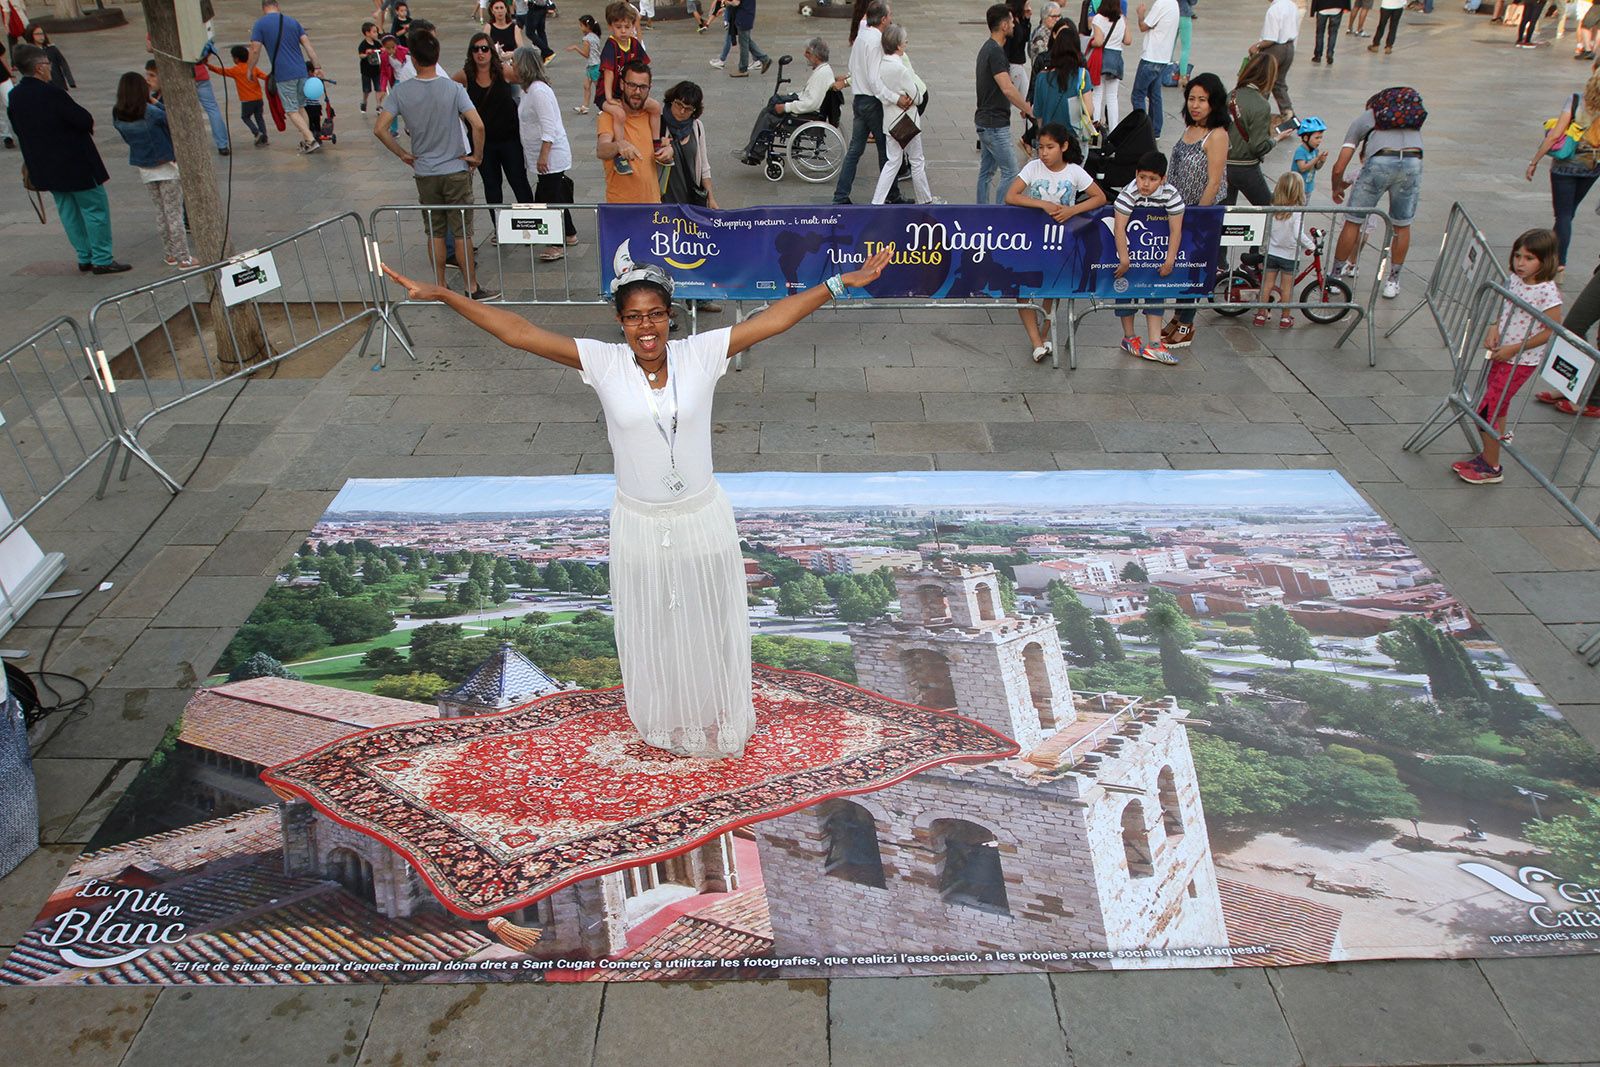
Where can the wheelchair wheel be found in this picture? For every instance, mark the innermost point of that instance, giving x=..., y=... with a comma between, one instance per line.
x=774, y=170
x=816, y=151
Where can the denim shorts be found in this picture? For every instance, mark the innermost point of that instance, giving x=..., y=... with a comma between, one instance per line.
x=292, y=94
x=1400, y=177
x=1279, y=263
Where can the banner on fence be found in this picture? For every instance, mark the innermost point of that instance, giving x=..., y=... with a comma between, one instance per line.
x=944, y=252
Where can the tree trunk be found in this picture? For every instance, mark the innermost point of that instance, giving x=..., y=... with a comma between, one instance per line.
x=191, y=139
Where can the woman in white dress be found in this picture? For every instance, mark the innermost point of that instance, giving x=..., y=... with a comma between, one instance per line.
x=677, y=578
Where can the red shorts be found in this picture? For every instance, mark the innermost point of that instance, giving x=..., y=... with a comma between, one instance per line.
x=1504, y=381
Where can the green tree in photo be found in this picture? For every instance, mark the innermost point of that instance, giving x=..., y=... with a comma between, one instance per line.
x=498, y=593
x=555, y=577
x=470, y=595
x=337, y=579
x=1186, y=677
x=584, y=579
x=1110, y=643
x=503, y=570
x=374, y=571
x=792, y=600
x=1074, y=623
x=305, y=550
x=1573, y=841
x=1555, y=750
x=285, y=640
x=1132, y=572
x=261, y=665
x=349, y=621
x=384, y=660
x=1008, y=594
x=420, y=687
x=1280, y=637
x=1451, y=673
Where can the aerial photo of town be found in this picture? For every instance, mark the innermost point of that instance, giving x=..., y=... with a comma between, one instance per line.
x=1255, y=729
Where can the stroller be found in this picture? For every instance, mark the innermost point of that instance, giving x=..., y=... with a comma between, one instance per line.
x=1112, y=164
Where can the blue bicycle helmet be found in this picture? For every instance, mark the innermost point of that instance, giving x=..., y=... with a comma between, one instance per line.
x=1311, y=125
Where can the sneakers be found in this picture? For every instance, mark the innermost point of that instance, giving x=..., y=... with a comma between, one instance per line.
x=738, y=74
x=718, y=63
x=1462, y=464
x=261, y=140
x=1480, y=473
x=308, y=147
x=1261, y=317
x=1286, y=321
x=622, y=165
x=1181, y=336
x=1134, y=346
x=1041, y=353
x=580, y=109
x=451, y=261
x=1155, y=352
x=363, y=109
x=762, y=65
x=1391, y=287
x=480, y=293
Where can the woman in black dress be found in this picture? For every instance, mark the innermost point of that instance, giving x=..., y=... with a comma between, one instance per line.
x=496, y=102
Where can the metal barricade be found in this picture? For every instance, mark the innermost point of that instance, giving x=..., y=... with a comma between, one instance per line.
x=56, y=418
x=1469, y=384
x=1361, y=304
x=515, y=273
x=160, y=345
x=1466, y=260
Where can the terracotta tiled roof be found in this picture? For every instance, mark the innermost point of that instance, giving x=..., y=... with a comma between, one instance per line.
x=247, y=833
x=1293, y=930
x=268, y=720
x=733, y=928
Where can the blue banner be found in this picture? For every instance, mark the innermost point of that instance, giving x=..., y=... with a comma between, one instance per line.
x=941, y=252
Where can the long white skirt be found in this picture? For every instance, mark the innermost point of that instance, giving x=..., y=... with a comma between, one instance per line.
x=683, y=631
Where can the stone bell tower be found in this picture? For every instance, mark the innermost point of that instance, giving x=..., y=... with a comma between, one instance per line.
x=954, y=647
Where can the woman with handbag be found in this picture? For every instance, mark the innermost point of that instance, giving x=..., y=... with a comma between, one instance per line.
x=1573, y=146
x=903, y=126
x=1111, y=33
x=1062, y=93
x=1250, y=133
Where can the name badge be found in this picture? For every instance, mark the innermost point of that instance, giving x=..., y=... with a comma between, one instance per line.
x=675, y=485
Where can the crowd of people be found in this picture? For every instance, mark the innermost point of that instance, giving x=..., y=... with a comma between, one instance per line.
x=496, y=114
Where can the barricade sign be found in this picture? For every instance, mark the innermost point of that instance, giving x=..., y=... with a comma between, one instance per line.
x=247, y=277
x=1240, y=230
x=1568, y=370
x=942, y=253
x=527, y=224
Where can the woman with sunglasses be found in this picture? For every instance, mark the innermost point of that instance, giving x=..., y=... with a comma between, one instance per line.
x=677, y=577
x=496, y=100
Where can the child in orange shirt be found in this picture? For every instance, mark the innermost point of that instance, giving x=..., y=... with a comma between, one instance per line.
x=248, y=82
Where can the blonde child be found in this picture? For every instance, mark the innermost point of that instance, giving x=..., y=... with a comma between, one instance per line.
x=1149, y=189
x=1513, y=345
x=621, y=48
x=1285, y=239
x=589, y=49
x=1055, y=184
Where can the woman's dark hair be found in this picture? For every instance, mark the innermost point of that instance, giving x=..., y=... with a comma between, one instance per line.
x=623, y=292
x=1066, y=57
x=506, y=4
x=1114, y=16
x=470, y=69
x=133, y=97
x=1218, y=118
x=1259, y=72
x=689, y=94
x=27, y=35
x=1061, y=134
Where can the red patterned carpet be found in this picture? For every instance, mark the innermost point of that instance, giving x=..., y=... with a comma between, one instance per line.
x=498, y=811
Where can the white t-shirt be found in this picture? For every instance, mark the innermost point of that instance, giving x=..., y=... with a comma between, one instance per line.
x=640, y=456
x=1162, y=34
x=1517, y=325
x=1288, y=237
x=1058, y=186
x=1392, y=5
x=1104, y=25
x=1283, y=21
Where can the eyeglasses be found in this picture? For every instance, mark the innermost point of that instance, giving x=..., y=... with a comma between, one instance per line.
x=655, y=318
x=636, y=86
x=480, y=48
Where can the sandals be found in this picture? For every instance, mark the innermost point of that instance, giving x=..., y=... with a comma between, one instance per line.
x=1040, y=353
x=1286, y=321
x=550, y=255
x=1261, y=317
x=183, y=262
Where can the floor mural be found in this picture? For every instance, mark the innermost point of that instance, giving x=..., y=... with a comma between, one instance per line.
x=1008, y=721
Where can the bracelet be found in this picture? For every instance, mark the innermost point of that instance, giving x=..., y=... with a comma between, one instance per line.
x=835, y=286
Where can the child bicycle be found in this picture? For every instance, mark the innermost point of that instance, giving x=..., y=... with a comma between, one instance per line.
x=1241, y=287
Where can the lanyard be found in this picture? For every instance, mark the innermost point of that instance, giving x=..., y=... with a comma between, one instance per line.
x=671, y=439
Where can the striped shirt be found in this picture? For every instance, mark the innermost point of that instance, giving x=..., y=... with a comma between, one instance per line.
x=1165, y=198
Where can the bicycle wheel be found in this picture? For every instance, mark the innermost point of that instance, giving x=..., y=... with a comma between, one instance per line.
x=816, y=152
x=1328, y=291
x=1236, y=285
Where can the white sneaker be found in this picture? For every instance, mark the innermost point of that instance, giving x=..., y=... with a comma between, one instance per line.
x=718, y=63
x=1391, y=288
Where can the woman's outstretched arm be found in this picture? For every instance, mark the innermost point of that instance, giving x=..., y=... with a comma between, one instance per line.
x=511, y=328
x=791, y=309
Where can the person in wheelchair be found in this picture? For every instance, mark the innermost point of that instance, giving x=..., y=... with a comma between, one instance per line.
x=791, y=107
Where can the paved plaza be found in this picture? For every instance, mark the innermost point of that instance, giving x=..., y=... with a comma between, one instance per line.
x=872, y=390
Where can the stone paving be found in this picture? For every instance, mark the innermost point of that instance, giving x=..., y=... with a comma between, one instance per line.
x=874, y=390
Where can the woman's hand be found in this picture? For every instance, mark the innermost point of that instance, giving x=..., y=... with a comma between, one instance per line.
x=870, y=270
x=1532, y=167
x=414, y=290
